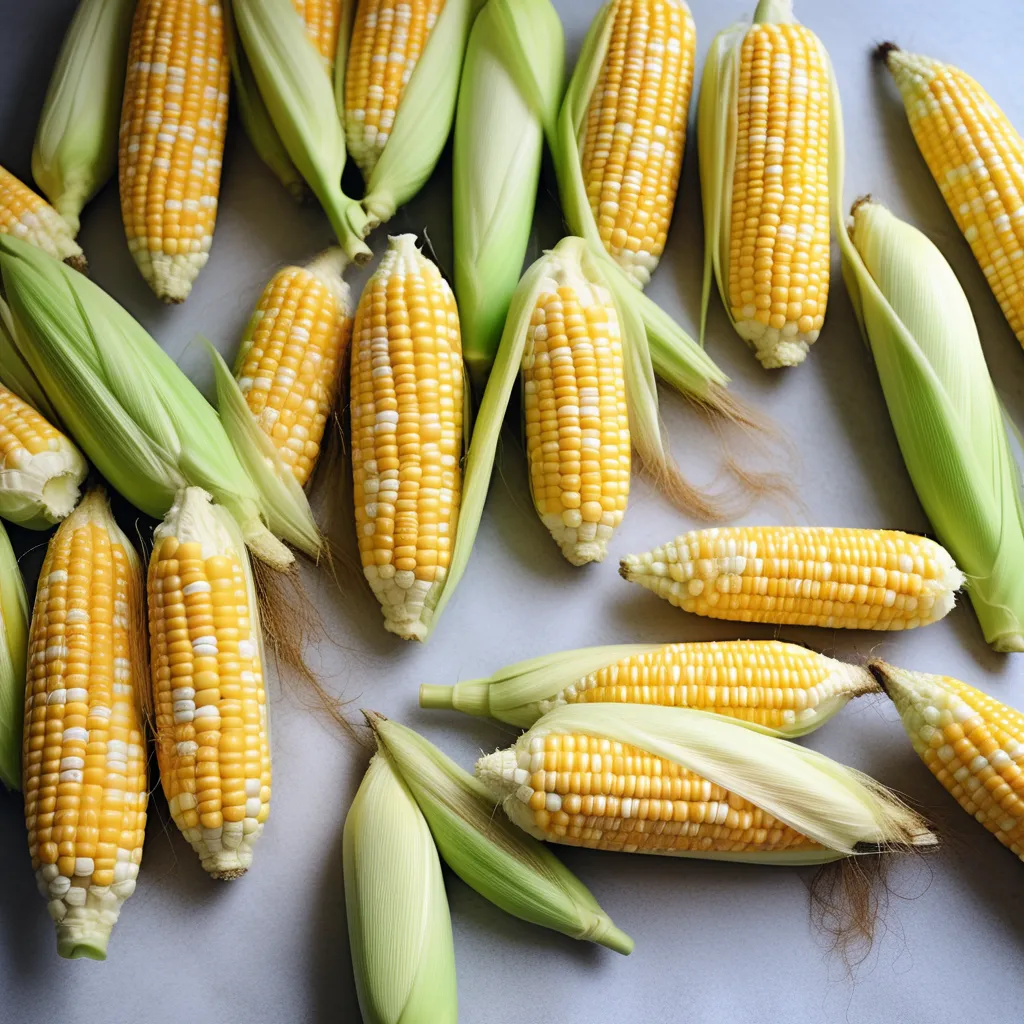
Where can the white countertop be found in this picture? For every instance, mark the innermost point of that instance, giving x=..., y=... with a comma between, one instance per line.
x=713, y=941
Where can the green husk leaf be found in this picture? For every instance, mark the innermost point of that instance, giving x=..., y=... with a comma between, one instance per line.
x=16, y=375
x=492, y=856
x=13, y=652
x=399, y=929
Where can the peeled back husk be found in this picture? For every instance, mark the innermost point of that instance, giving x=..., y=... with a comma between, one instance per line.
x=13, y=651
x=498, y=860
x=399, y=929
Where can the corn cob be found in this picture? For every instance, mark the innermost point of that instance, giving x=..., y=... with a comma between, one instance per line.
x=641, y=779
x=780, y=688
x=173, y=123
x=84, y=768
x=766, y=136
x=28, y=216
x=802, y=576
x=972, y=743
x=290, y=359
x=323, y=21
x=13, y=652
x=407, y=414
x=40, y=469
x=209, y=702
x=977, y=159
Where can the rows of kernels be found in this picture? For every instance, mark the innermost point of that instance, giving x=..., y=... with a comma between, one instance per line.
x=291, y=363
x=23, y=431
x=635, y=129
x=210, y=705
x=977, y=159
x=590, y=791
x=388, y=37
x=577, y=422
x=406, y=413
x=172, y=139
x=810, y=576
x=768, y=682
x=30, y=217
x=779, y=245
x=84, y=759
x=323, y=19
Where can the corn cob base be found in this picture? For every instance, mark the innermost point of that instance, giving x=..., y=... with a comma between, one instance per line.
x=83, y=929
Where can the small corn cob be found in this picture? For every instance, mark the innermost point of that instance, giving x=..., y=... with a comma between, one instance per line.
x=84, y=764
x=13, y=652
x=210, y=707
x=977, y=159
x=407, y=407
x=972, y=743
x=686, y=783
x=40, y=469
x=781, y=688
x=290, y=360
x=173, y=122
x=28, y=216
x=802, y=576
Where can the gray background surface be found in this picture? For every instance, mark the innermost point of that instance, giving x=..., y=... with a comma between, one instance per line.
x=713, y=941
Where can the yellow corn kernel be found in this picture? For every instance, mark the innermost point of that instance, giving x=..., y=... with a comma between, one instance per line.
x=323, y=20
x=172, y=139
x=27, y=215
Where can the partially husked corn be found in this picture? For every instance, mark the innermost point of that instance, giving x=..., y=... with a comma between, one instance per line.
x=323, y=20
x=804, y=576
x=27, y=215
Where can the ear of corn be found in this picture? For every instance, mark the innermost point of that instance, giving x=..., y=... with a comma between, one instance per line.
x=13, y=653
x=944, y=408
x=40, y=469
x=15, y=373
x=977, y=159
x=499, y=861
x=514, y=59
x=173, y=122
x=971, y=743
x=299, y=98
x=782, y=689
x=209, y=701
x=401, y=85
x=27, y=216
x=622, y=128
x=84, y=765
x=688, y=783
x=76, y=142
x=835, y=578
x=399, y=929
x=134, y=413
x=766, y=133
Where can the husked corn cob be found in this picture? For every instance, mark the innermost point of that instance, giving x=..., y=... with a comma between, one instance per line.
x=29, y=216
x=635, y=129
x=972, y=743
x=407, y=403
x=210, y=707
x=289, y=363
x=172, y=139
x=803, y=576
x=84, y=760
x=977, y=159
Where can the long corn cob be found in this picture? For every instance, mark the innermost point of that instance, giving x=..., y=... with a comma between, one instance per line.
x=209, y=702
x=977, y=159
x=972, y=743
x=781, y=688
x=289, y=363
x=28, y=216
x=13, y=653
x=84, y=770
x=40, y=469
x=407, y=412
x=173, y=123
x=802, y=576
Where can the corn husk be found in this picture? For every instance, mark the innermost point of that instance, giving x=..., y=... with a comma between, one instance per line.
x=75, y=151
x=138, y=418
x=289, y=74
x=948, y=420
x=13, y=650
x=15, y=373
x=841, y=809
x=424, y=117
x=499, y=138
x=399, y=929
x=490, y=855
x=522, y=693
